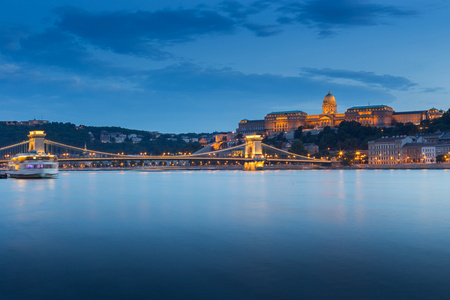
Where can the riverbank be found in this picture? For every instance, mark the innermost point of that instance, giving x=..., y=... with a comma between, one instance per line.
x=267, y=168
x=403, y=166
x=194, y=168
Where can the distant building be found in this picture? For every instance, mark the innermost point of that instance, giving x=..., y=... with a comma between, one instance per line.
x=105, y=137
x=412, y=152
x=224, y=137
x=387, y=150
x=312, y=148
x=430, y=137
x=203, y=142
x=443, y=149
x=428, y=154
x=91, y=137
x=408, y=149
x=286, y=146
x=26, y=123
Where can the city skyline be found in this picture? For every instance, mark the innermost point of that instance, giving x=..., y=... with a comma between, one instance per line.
x=192, y=66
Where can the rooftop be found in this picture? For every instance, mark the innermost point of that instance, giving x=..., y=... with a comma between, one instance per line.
x=414, y=145
x=368, y=106
x=252, y=121
x=410, y=112
x=388, y=139
x=286, y=112
x=445, y=136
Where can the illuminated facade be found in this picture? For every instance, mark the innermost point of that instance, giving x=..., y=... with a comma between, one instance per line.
x=415, y=117
x=284, y=121
x=387, y=150
x=372, y=115
x=408, y=149
x=251, y=126
x=329, y=115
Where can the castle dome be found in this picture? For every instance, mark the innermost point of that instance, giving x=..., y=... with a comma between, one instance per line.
x=329, y=99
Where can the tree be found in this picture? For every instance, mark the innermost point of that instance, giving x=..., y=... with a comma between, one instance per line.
x=440, y=158
x=348, y=159
x=298, y=133
x=298, y=148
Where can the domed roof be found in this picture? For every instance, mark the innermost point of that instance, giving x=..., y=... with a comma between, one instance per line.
x=329, y=98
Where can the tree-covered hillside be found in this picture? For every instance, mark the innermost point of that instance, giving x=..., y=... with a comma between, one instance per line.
x=78, y=136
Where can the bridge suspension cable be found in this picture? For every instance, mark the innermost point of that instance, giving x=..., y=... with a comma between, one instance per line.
x=219, y=151
x=291, y=154
x=82, y=149
x=15, y=145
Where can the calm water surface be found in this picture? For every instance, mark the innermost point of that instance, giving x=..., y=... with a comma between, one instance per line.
x=227, y=235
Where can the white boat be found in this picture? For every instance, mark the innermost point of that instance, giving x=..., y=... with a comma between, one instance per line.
x=33, y=165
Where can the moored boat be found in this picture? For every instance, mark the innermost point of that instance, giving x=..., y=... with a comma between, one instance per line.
x=33, y=165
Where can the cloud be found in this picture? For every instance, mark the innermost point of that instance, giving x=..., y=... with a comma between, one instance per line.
x=142, y=33
x=241, y=14
x=8, y=69
x=368, y=78
x=193, y=78
x=52, y=48
x=327, y=16
x=257, y=92
x=433, y=90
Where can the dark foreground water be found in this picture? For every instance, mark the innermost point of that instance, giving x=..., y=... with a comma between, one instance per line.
x=227, y=235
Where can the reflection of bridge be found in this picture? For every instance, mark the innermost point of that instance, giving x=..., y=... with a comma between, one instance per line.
x=253, y=154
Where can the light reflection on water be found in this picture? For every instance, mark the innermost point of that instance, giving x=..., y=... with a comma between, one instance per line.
x=220, y=235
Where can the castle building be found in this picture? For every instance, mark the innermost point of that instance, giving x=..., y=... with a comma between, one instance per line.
x=251, y=127
x=284, y=121
x=415, y=117
x=372, y=115
x=328, y=117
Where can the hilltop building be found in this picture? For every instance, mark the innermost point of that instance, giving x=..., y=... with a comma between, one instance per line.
x=26, y=123
x=328, y=117
x=372, y=115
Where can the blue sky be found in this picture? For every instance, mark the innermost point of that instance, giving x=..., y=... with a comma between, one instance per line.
x=192, y=66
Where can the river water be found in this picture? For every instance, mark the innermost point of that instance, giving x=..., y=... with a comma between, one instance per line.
x=353, y=234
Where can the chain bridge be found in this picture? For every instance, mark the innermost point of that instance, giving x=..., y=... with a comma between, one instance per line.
x=251, y=155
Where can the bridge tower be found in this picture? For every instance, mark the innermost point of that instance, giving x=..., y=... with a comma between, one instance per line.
x=253, y=149
x=37, y=141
